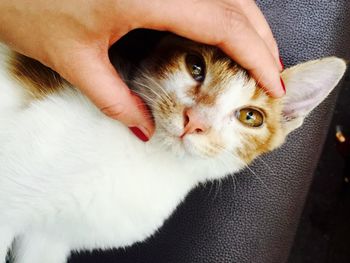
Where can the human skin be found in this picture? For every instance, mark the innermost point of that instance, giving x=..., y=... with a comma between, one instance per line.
x=73, y=37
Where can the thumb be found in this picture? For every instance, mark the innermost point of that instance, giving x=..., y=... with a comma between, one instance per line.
x=95, y=76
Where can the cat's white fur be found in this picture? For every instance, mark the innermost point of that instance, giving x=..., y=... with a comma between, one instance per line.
x=73, y=179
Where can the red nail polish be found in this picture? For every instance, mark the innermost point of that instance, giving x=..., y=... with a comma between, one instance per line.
x=282, y=64
x=283, y=86
x=139, y=134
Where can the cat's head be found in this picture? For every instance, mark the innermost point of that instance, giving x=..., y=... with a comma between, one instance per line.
x=206, y=107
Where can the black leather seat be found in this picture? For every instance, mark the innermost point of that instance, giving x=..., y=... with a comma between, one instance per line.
x=253, y=218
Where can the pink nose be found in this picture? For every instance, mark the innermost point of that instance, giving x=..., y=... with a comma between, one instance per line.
x=193, y=123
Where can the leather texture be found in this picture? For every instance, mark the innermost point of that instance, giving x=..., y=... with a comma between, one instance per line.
x=252, y=217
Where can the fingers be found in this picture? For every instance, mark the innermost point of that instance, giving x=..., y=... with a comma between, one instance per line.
x=94, y=75
x=249, y=50
x=226, y=26
x=259, y=23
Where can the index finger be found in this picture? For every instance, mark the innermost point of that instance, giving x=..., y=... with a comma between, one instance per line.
x=259, y=23
x=94, y=75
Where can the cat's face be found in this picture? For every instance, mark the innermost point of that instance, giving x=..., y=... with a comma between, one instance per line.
x=205, y=106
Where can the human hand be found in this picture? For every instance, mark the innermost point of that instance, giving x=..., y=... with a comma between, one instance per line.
x=73, y=36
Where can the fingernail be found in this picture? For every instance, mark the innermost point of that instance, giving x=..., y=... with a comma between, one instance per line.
x=140, y=133
x=283, y=86
x=282, y=64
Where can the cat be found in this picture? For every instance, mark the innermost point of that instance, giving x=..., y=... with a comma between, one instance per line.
x=73, y=179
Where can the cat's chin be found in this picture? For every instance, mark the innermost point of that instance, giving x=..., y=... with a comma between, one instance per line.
x=179, y=147
x=192, y=149
x=172, y=139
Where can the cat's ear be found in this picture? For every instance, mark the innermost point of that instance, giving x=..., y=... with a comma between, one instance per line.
x=307, y=85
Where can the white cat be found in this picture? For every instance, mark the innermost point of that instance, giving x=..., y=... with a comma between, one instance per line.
x=73, y=179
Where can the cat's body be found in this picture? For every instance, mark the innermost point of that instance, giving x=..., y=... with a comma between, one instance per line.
x=83, y=188
x=72, y=179
x=85, y=184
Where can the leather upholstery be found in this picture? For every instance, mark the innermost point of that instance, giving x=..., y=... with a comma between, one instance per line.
x=253, y=216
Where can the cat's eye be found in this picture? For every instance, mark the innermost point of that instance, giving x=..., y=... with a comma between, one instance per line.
x=250, y=117
x=196, y=67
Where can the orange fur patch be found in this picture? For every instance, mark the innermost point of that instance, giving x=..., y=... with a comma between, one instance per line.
x=38, y=80
x=272, y=136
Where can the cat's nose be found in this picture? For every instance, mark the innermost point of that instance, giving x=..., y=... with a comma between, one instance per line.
x=193, y=122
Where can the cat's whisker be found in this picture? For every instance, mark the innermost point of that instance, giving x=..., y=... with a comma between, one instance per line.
x=151, y=102
x=145, y=97
x=223, y=160
x=218, y=189
x=226, y=162
x=205, y=184
x=212, y=186
x=154, y=92
x=274, y=174
x=247, y=166
x=259, y=179
x=159, y=86
x=234, y=182
x=157, y=104
x=266, y=165
x=134, y=81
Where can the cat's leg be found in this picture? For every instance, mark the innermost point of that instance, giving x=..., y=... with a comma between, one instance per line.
x=38, y=248
x=6, y=238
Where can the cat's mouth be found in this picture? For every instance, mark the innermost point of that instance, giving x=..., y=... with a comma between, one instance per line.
x=177, y=143
x=181, y=142
x=191, y=145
